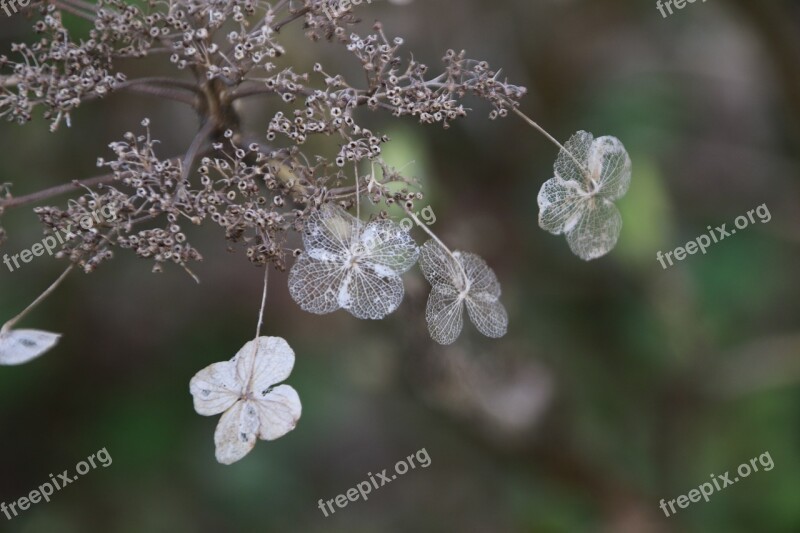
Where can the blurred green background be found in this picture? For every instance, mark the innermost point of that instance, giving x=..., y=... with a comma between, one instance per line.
x=619, y=383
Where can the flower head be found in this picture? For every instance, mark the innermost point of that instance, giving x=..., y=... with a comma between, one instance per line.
x=579, y=201
x=244, y=389
x=349, y=265
x=470, y=282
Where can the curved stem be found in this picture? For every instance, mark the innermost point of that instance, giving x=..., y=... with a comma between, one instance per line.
x=10, y=324
x=191, y=154
x=439, y=241
x=161, y=80
x=552, y=139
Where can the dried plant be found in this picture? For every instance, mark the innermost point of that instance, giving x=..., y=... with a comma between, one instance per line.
x=261, y=187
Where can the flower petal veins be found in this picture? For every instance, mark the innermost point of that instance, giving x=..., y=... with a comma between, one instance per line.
x=350, y=266
x=589, y=175
x=216, y=388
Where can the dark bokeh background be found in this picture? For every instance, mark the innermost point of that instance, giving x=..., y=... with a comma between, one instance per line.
x=618, y=384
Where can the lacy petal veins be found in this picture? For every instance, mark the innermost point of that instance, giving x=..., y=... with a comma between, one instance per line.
x=470, y=282
x=347, y=265
x=243, y=389
x=590, y=174
x=19, y=346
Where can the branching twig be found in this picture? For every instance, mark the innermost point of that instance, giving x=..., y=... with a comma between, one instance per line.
x=56, y=191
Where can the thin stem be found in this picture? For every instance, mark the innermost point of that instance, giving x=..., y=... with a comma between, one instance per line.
x=161, y=80
x=75, y=11
x=552, y=139
x=56, y=191
x=263, y=301
x=83, y=5
x=294, y=16
x=169, y=88
x=194, y=149
x=439, y=241
x=165, y=92
x=243, y=92
x=10, y=324
x=62, y=189
x=258, y=328
x=358, y=194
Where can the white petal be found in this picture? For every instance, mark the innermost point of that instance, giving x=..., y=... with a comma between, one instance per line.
x=263, y=362
x=482, y=279
x=236, y=432
x=488, y=314
x=597, y=231
x=609, y=160
x=315, y=285
x=577, y=148
x=388, y=244
x=371, y=295
x=278, y=411
x=19, y=346
x=438, y=267
x=560, y=202
x=331, y=232
x=444, y=314
x=215, y=388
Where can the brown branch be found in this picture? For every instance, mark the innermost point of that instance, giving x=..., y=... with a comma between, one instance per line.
x=294, y=16
x=56, y=191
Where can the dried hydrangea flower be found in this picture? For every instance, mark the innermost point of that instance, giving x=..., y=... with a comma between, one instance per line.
x=18, y=346
x=590, y=174
x=352, y=266
x=244, y=389
x=457, y=279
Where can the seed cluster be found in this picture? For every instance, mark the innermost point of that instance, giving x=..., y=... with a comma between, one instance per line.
x=257, y=186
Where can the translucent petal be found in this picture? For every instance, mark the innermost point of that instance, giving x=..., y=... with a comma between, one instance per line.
x=482, y=278
x=215, y=388
x=278, y=412
x=330, y=233
x=388, y=244
x=610, y=166
x=445, y=314
x=372, y=294
x=597, y=231
x=560, y=204
x=236, y=432
x=315, y=284
x=263, y=362
x=19, y=346
x=488, y=314
x=566, y=167
x=438, y=267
